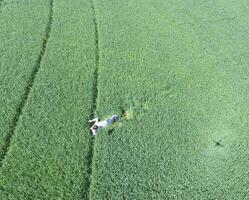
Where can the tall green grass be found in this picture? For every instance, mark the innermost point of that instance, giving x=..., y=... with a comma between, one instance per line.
x=48, y=155
x=22, y=35
x=179, y=69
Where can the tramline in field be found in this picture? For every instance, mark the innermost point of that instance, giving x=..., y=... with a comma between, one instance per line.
x=175, y=72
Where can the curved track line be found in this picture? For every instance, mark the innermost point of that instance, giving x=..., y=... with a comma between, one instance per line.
x=22, y=104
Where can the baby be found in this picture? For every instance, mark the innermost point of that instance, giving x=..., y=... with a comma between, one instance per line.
x=102, y=124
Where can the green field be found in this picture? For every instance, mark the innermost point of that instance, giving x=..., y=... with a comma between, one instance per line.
x=177, y=69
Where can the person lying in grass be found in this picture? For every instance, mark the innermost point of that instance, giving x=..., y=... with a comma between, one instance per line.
x=102, y=124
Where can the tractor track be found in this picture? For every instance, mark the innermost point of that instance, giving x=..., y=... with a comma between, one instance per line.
x=94, y=101
x=20, y=108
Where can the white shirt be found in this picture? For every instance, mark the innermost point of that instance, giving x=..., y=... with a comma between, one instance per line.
x=101, y=124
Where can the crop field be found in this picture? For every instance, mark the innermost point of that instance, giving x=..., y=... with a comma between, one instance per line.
x=176, y=71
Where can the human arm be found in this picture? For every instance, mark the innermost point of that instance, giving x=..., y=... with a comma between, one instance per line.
x=94, y=120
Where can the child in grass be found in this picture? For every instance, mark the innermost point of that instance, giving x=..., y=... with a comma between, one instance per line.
x=102, y=124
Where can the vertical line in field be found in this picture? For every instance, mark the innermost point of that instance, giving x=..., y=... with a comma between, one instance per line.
x=94, y=100
x=96, y=71
x=19, y=109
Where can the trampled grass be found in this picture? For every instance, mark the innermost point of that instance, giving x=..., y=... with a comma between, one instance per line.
x=178, y=73
x=48, y=154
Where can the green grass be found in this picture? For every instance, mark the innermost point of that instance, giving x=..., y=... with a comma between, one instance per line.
x=22, y=34
x=177, y=70
x=176, y=73
x=48, y=154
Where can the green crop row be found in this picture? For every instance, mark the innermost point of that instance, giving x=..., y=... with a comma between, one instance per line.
x=177, y=72
x=49, y=152
x=22, y=34
x=169, y=67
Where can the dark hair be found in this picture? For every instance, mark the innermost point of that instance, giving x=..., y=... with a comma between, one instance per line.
x=95, y=127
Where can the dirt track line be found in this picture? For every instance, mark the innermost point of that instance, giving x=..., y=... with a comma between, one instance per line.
x=22, y=104
x=94, y=100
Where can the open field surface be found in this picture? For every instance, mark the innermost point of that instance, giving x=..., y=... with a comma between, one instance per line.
x=178, y=70
x=47, y=157
x=189, y=96
x=22, y=36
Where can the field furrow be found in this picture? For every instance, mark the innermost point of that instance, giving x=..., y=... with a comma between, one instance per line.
x=94, y=96
x=169, y=67
x=7, y=139
x=49, y=153
x=176, y=72
x=23, y=36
